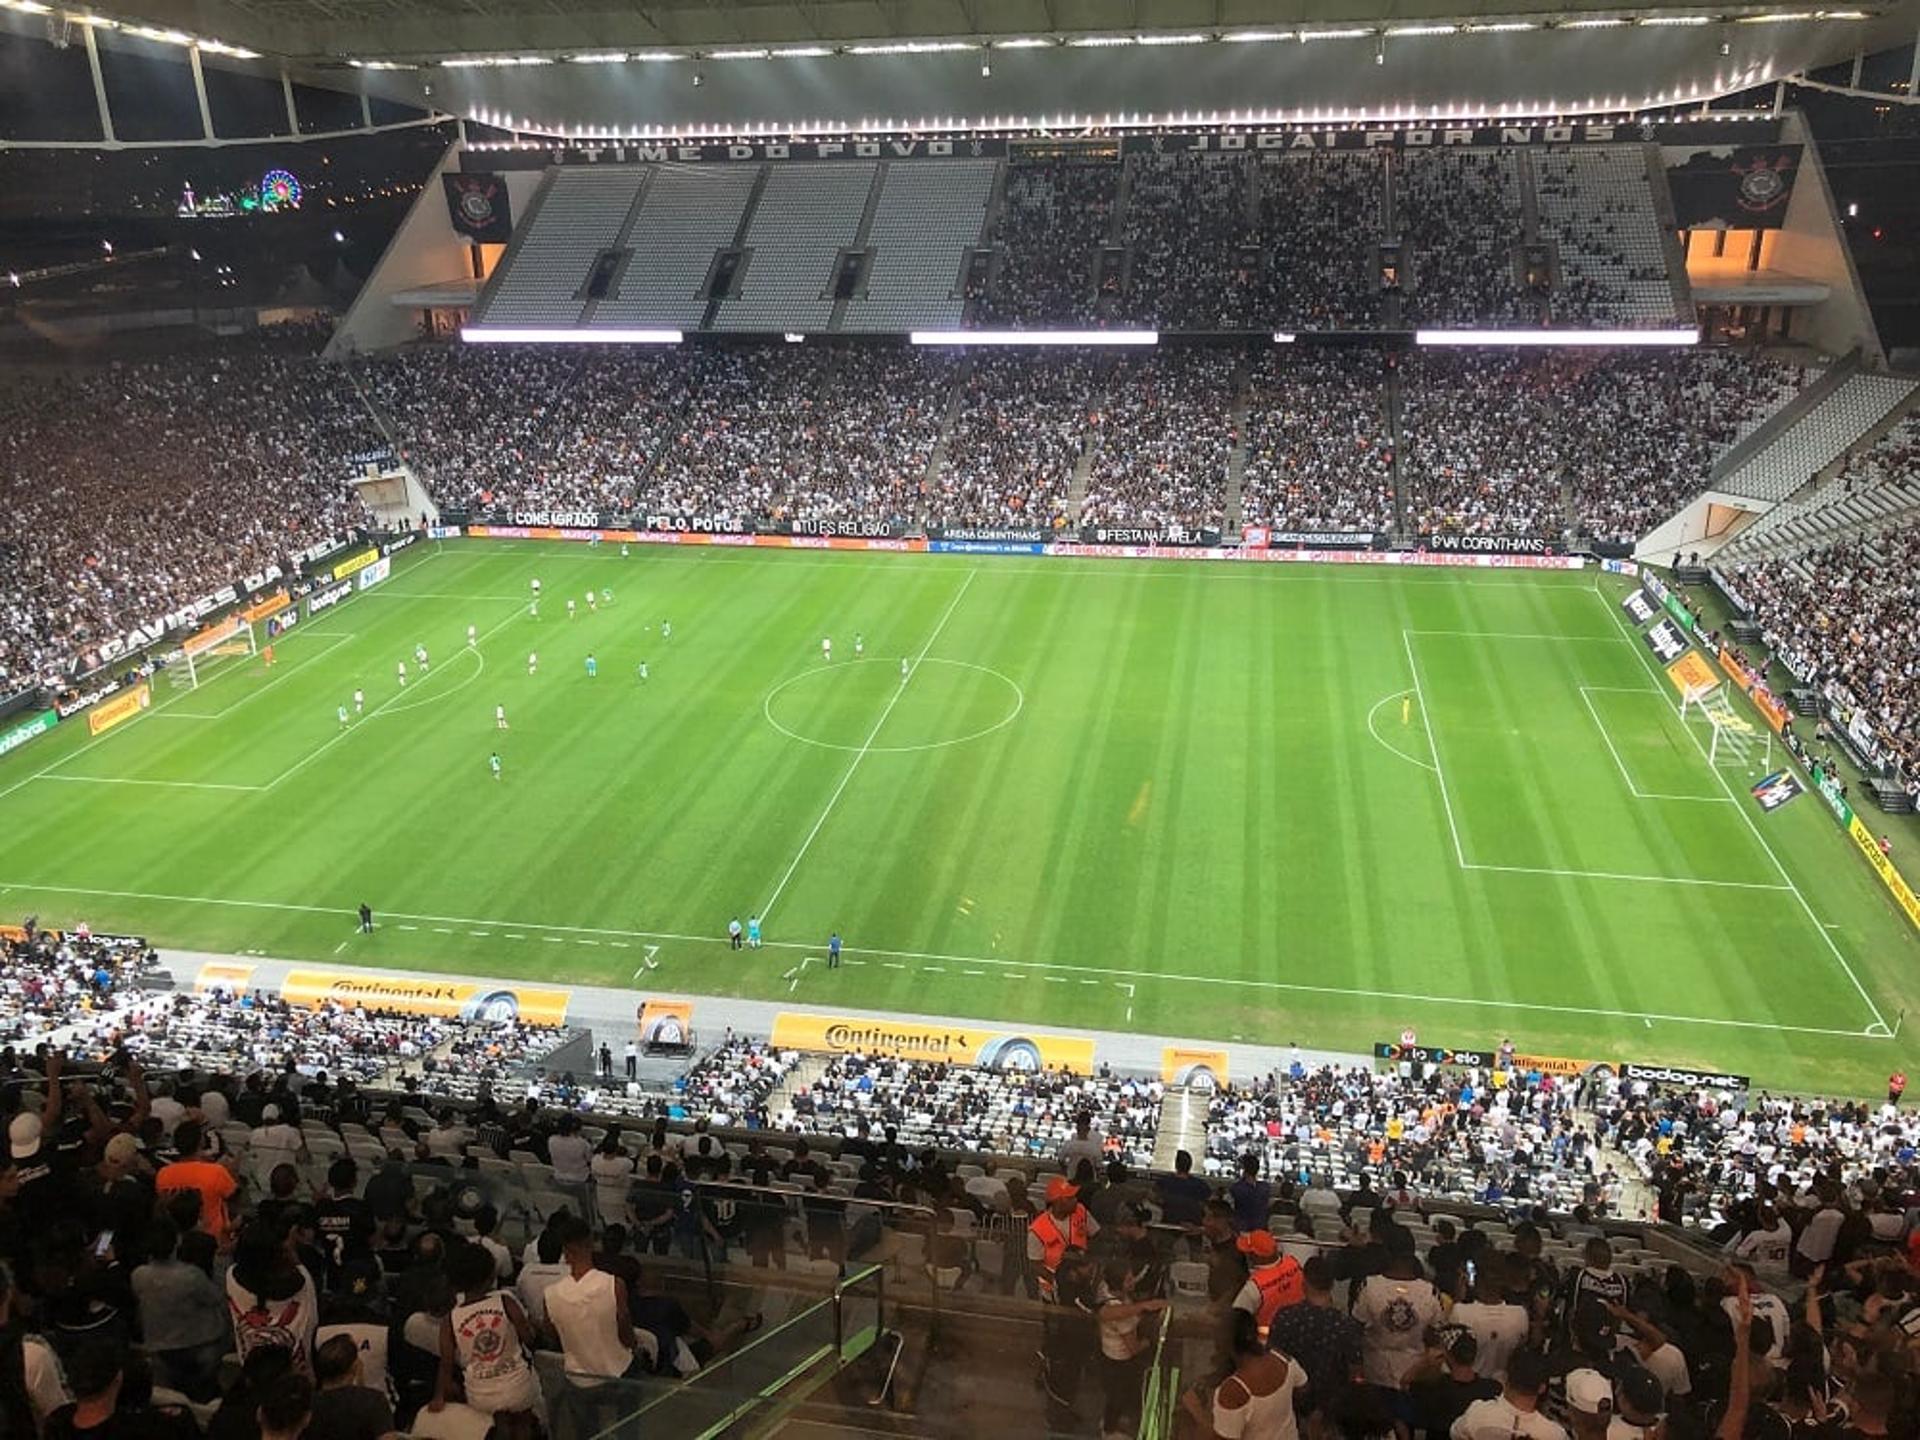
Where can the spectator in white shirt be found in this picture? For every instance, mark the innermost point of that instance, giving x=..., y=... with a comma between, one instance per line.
x=1515, y=1413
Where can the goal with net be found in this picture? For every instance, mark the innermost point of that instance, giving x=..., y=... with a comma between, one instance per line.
x=208, y=652
x=1735, y=742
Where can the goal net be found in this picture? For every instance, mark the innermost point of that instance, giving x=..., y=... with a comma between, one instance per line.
x=1735, y=742
x=219, y=647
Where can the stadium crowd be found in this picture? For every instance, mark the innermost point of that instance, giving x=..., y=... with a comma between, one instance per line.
x=1846, y=617
x=1459, y=211
x=1162, y=441
x=1056, y=217
x=131, y=491
x=1319, y=455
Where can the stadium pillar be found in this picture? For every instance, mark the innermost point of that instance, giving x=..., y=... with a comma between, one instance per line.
x=99, y=84
x=293, y=115
x=1913, y=76
x=200, y=92
x=366, y=112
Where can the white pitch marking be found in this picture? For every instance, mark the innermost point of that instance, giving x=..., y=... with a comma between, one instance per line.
x=1373, y=731
x=586, y=942
x=1621, y=875
x=1632, y=644
x=1621, y=764
x=1008, y=966
x=867, y=748
x=372, y=714
x=1433, y=744
x=441, y=930
x=480, y=934
x=341, y=946
x=167, y=784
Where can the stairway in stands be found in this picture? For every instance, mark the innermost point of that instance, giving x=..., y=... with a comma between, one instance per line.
x=1233, y=512
x=1183, y=1125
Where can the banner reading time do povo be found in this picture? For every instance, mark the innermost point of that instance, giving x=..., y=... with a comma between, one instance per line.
x=983, y=1046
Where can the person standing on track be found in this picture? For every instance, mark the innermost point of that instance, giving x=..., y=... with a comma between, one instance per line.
x=733, y=932
x=833, y=951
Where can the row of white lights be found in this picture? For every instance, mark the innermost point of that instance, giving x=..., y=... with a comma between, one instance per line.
x=158, y=34
x=1097, y=42
x=534, y=335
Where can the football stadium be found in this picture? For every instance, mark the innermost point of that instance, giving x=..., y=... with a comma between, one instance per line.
x=783, y=720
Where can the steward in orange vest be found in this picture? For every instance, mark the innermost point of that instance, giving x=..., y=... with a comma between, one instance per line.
x=1274, y=1280
x=1064, y=1225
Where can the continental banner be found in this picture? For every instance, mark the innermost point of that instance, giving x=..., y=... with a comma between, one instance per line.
x=223, y=977
x=14, y=736
x=666, y=1022
x=1883, y=866
x=909, y=1040
x=1198, y=1069
x=459, y=998
x=121, y=708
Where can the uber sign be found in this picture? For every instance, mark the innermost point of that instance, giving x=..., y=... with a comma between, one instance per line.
x=1666, y=641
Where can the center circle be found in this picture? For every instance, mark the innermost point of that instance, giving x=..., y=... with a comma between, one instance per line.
x=838, y=706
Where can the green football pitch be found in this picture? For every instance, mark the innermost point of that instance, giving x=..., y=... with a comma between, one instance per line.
x=1260, y=803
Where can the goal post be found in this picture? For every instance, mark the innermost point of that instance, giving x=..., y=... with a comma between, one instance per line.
x=206, y=651
x=1735, y=742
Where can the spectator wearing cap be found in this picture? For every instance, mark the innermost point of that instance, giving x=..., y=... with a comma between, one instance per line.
x=1274, y=1279
x=1639, y=1404
x=1062, y=1228
x=1514, y=1414
x=1589, y=1403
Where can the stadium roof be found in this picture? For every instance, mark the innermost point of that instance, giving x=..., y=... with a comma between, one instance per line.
x=428, y=30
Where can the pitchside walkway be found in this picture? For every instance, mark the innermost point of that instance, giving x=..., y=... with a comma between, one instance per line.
x=610, y=1014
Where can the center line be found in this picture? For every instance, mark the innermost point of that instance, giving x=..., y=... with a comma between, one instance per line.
x=865, y=749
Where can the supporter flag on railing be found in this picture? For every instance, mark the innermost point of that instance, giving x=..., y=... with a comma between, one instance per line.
x=478, y=207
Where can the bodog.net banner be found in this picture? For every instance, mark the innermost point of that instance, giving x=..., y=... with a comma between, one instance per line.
x=458, y=998
x=955, y=1044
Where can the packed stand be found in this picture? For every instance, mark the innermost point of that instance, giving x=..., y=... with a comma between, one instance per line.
x=1055, y=218
x=534, y=427
x=1459, y=213
x=805, y=433
x=199, y=470
x=1319, y=454
x=1021, y=425
x=1321, y=229
x=1163, y=441
x=957, y=1107
x=1192, y=261
x=1846, y=618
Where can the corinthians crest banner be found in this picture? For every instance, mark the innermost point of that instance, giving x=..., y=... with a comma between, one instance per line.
x=477, y=206
x=1742, y=187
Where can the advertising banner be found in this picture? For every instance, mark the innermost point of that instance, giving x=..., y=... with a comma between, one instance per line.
x=1883, y=866
x=1691, y=674
x=991, y=534
x=373, y=574
x=329, y=597
x=694, y=524
x=1777, y=789
x=1621, y=567
x=121, y=708
x=17, y=735
x=1313, y=539
x=665, y=1022
x=458, y=998
x=1829, y=788
x=1197, y=1069
x=222, y=977
x=1639, y=605
x=1666, y=642
x=444, y=532
x=400, y=542
x=988, y=1048
x=986, y=547
x=1682, y=1075
x=1447, y=544
x=1179, y=535
x=1557, y=1065
x=357, y=561
x=849, y=529
x=271, y=605
x=278, y=625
